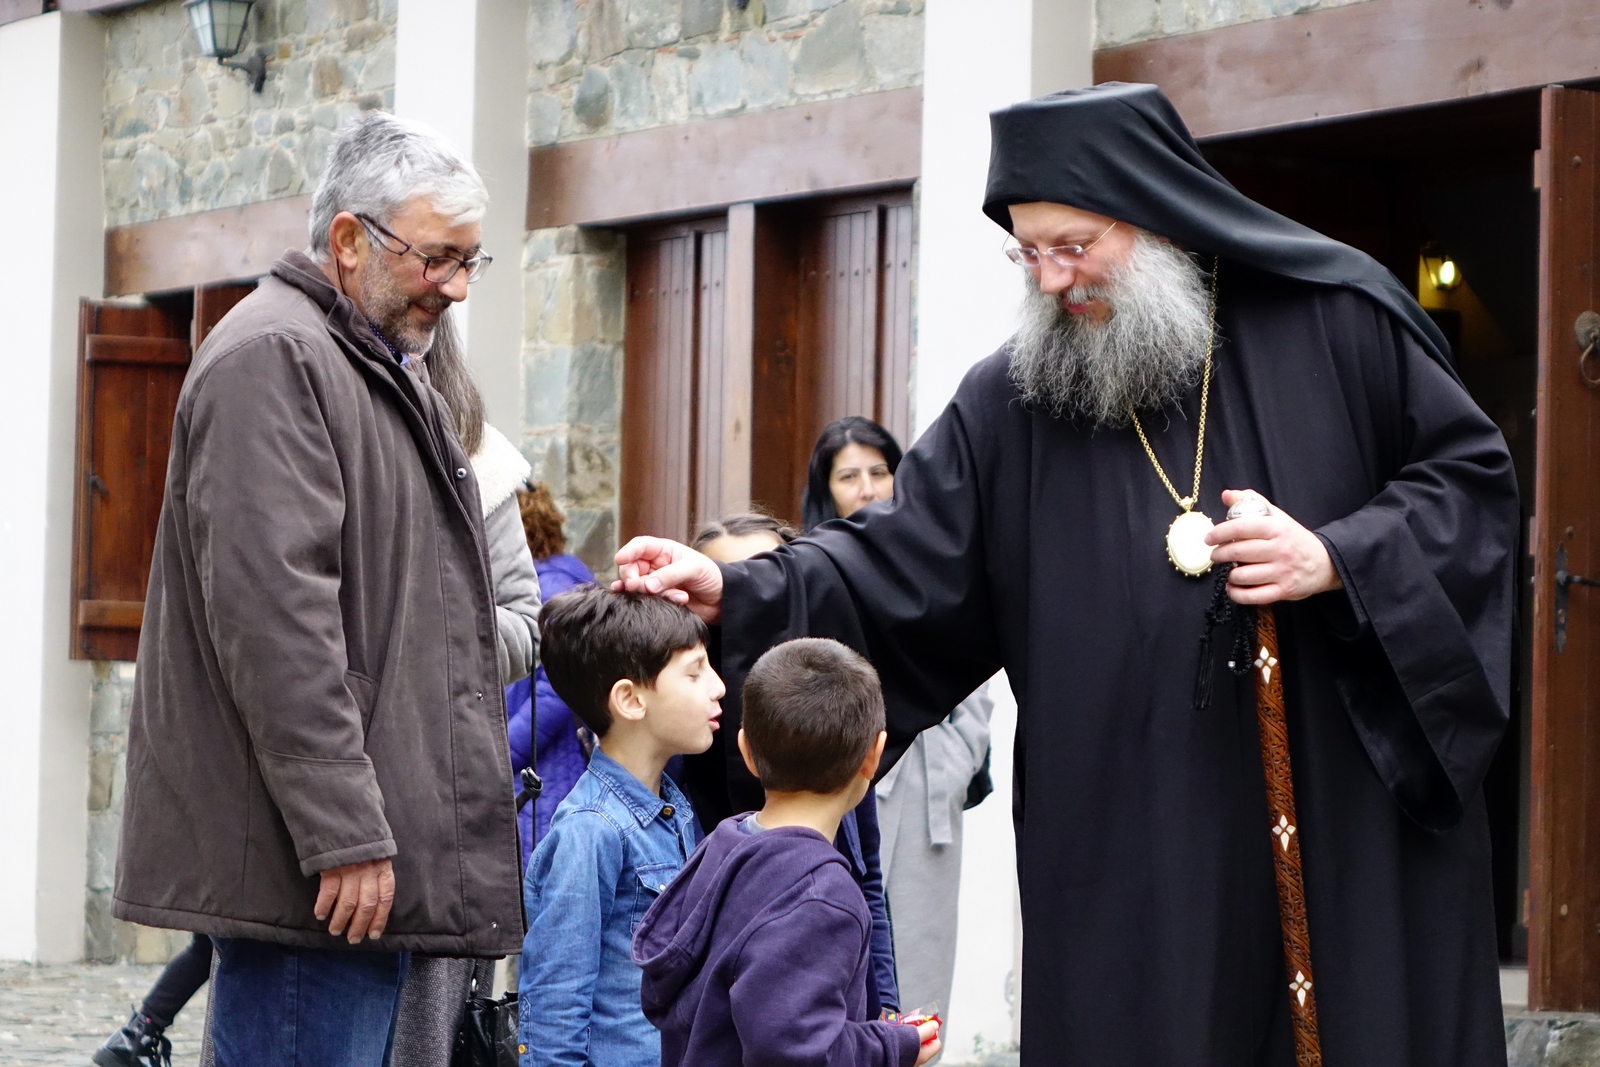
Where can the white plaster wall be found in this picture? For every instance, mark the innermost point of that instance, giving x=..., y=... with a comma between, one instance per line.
x=481, y=113
x=51, y=72
x=979, y=56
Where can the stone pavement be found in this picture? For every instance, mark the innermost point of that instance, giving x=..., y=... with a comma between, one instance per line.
x=58, y=1015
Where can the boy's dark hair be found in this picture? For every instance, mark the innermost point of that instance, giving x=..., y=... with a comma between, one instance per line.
x=812, y=709
x=592, y=638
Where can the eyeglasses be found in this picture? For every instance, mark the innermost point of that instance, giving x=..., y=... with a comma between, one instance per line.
x=1060, y=255
x=436, y=269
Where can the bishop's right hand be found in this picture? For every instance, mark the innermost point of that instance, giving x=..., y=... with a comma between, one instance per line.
x=668, y=569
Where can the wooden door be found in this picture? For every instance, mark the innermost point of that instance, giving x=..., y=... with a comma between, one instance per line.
x=131, y=365
x=674, y=345
x=834, y=332
x=1564, y=829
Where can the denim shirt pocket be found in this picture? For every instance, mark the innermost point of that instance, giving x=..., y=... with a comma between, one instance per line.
x=653, y=878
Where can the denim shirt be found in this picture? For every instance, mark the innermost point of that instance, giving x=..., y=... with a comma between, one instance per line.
x=613, y=845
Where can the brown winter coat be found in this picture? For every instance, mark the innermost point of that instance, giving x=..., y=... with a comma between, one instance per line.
x=317, y=679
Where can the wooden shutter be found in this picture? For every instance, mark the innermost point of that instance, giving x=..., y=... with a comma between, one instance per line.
x=1564, y=829
x=676, y=292
x=132, y=361
x=131, y=365
x=846, y=348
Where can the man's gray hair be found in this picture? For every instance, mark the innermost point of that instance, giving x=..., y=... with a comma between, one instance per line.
x=379, y=162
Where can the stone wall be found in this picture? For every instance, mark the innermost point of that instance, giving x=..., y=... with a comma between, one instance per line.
x=609, y=66
x=1126, y=21
x=107, y=939
x=601, y=67
x=183, y=134
x=572, y=370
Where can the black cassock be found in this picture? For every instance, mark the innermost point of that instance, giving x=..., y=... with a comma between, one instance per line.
x=1024, y=542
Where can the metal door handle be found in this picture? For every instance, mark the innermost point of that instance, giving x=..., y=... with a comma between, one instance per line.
x=1587, y=331
x=1564, y=581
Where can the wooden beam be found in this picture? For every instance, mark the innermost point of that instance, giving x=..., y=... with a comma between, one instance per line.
x=17, y=10
x=858, y=142
x=1365, y=57
x=213, y=246
x=111, y=614
x=99, y=6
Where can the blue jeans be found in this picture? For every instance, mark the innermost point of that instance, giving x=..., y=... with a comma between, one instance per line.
x=281, y=1006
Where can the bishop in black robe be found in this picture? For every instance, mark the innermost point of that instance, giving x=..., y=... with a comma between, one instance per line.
x=1022, y=541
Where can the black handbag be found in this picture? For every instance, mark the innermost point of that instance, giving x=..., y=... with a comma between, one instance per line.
x=488, y=1034
x=981, y=786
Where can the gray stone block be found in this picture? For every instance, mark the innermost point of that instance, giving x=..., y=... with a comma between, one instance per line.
x=893, y=49
x=832, y=55
x=597, y=545
x=105, y=830
x=633, y=99
x=653, y=23
x=592, y=106
x=546, y=372
x=765, y=71
x=594, y=396
x=100, y=929
x=606, y=28
x=702, y=16
x=552, y=30
x=714, y=81
x=544, y=119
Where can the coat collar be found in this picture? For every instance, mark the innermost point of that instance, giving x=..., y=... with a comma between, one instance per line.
x=345, y=321
x=645, y=806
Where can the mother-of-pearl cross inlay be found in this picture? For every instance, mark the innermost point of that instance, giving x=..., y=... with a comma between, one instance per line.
x=1282, y=830
x=1265, y=663
x=1300, y=986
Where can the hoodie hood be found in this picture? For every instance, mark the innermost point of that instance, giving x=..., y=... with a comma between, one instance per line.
x=677, y=934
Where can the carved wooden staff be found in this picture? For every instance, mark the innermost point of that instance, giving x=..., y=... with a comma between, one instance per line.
x=1274, y=728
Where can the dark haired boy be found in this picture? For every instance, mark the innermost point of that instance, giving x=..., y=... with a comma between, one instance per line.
x=759, y=952
x=634, y=670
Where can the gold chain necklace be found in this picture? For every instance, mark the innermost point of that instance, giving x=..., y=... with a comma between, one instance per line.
x=1186, y=537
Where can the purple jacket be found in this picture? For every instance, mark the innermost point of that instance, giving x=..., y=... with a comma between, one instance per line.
x=561, y=759
x=759, y=953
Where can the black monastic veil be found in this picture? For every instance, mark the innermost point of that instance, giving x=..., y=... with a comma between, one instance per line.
x=1028, y=543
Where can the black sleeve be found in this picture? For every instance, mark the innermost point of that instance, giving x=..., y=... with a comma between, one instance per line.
x=903, y=582
x=1428, y=568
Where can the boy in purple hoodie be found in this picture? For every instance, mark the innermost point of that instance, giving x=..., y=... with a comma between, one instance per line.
x=759, y=951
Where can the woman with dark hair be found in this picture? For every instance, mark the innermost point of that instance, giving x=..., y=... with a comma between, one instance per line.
x=852, y=465
x=921, y=799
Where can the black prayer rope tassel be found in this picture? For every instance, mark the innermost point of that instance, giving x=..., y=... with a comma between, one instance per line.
x=1221, y=612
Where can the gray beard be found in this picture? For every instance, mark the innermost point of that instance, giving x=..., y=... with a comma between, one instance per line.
x=385, y=304
x=1148, y=354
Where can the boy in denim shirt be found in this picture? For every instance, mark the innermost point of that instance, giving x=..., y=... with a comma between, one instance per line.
x=634, y=670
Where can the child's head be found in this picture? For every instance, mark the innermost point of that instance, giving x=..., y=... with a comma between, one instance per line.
x=736, y=537
x=813, y=716
x=631, y=662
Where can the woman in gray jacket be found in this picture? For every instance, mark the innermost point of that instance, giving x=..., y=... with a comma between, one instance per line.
x=436, y=988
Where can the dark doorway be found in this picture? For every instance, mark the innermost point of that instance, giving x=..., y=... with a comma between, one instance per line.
x=1416, y=189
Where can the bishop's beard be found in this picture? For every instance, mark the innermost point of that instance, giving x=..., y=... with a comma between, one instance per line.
x=1147, y=355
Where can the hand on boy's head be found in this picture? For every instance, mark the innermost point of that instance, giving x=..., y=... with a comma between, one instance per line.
x=675, y=571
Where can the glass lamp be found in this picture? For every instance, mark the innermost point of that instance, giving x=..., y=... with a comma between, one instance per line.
x=219, y=27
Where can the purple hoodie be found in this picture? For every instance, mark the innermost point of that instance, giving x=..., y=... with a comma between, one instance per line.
x=758, y=954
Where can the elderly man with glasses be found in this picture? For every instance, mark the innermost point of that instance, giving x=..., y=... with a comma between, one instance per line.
x=1178, y=343
x=317, y=757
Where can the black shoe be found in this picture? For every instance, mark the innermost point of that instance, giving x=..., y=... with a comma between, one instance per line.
x=140, y=1043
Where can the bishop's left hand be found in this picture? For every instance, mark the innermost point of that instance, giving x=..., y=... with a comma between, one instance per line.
x=1276, y=558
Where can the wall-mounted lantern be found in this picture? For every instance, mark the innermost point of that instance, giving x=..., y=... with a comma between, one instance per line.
x=219, y=25
x=1442, y=270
